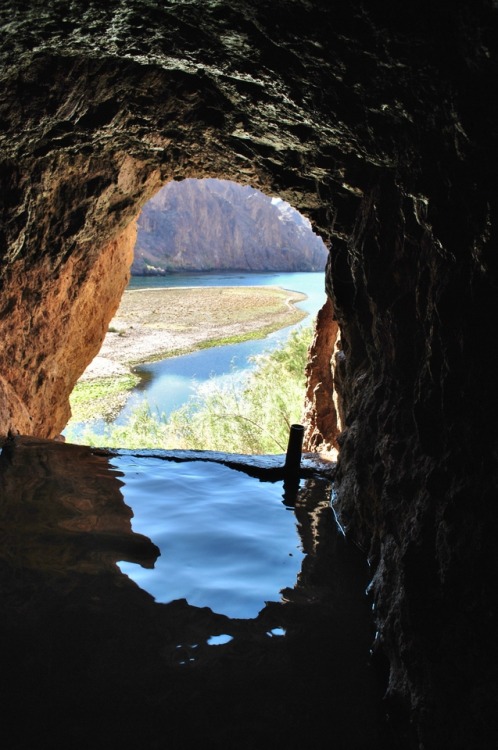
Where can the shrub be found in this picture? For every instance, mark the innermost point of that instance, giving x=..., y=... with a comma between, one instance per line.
x=249, y=416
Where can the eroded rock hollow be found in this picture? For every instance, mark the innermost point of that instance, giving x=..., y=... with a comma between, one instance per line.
x=380, y=126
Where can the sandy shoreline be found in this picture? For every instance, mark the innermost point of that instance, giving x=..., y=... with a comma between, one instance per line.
x=153, y=324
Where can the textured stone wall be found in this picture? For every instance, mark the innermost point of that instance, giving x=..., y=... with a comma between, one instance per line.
x=52, y=326
x=416, y=482
x=322, y=411
x=380, y=125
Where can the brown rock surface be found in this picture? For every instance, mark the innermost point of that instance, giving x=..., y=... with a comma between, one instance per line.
x=54, y=326
x=321, y=417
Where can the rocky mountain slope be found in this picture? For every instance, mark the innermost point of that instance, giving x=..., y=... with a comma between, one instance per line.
x=214, y=224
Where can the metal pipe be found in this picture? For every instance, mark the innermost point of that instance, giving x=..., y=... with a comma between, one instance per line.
x=294, y=450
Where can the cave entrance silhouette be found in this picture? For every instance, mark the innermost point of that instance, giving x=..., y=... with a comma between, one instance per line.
x=206, y=235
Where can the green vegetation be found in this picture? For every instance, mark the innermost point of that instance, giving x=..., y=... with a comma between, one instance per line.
x=250, y=417
x=238, y=338
x=101, y=398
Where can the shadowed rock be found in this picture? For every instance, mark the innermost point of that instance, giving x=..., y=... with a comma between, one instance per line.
x=379, y=124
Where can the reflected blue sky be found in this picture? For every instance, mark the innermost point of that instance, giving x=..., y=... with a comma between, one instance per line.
x=227, y=541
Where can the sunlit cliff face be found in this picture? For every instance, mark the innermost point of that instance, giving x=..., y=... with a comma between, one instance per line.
x=381, y=128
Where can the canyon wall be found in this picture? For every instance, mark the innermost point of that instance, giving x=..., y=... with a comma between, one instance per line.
x=379, y=125
x=214, y=224
x=52, y=326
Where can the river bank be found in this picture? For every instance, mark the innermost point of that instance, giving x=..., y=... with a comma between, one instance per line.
x=155, y=324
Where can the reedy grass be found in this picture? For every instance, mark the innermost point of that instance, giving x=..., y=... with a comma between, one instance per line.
x=252, y=416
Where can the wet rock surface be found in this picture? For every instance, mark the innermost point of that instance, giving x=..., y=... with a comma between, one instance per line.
x=380, y=125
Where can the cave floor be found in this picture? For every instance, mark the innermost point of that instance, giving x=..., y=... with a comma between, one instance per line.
x=90, y=660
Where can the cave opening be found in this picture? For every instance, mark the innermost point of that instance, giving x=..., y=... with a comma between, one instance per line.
x=209, y=346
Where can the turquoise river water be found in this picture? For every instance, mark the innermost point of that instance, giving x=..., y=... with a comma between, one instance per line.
x=167, y=384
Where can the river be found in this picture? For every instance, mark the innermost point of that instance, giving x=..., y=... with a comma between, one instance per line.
x=169, y=383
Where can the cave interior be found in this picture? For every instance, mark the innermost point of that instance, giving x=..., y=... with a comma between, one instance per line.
x=379, y=123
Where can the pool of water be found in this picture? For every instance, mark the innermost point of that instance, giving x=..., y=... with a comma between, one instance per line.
x=109, y=639
x=227, y=540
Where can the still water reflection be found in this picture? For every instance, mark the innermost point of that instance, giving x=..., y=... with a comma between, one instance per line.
x=227, y=540
x=91, y=660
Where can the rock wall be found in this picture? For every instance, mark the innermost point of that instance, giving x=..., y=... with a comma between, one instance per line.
x=379, y=124
x=218, y=225
x=52, y=326
x=321, y=413
x=415, y=480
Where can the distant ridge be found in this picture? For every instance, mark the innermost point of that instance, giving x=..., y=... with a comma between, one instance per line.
x=210, y=224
